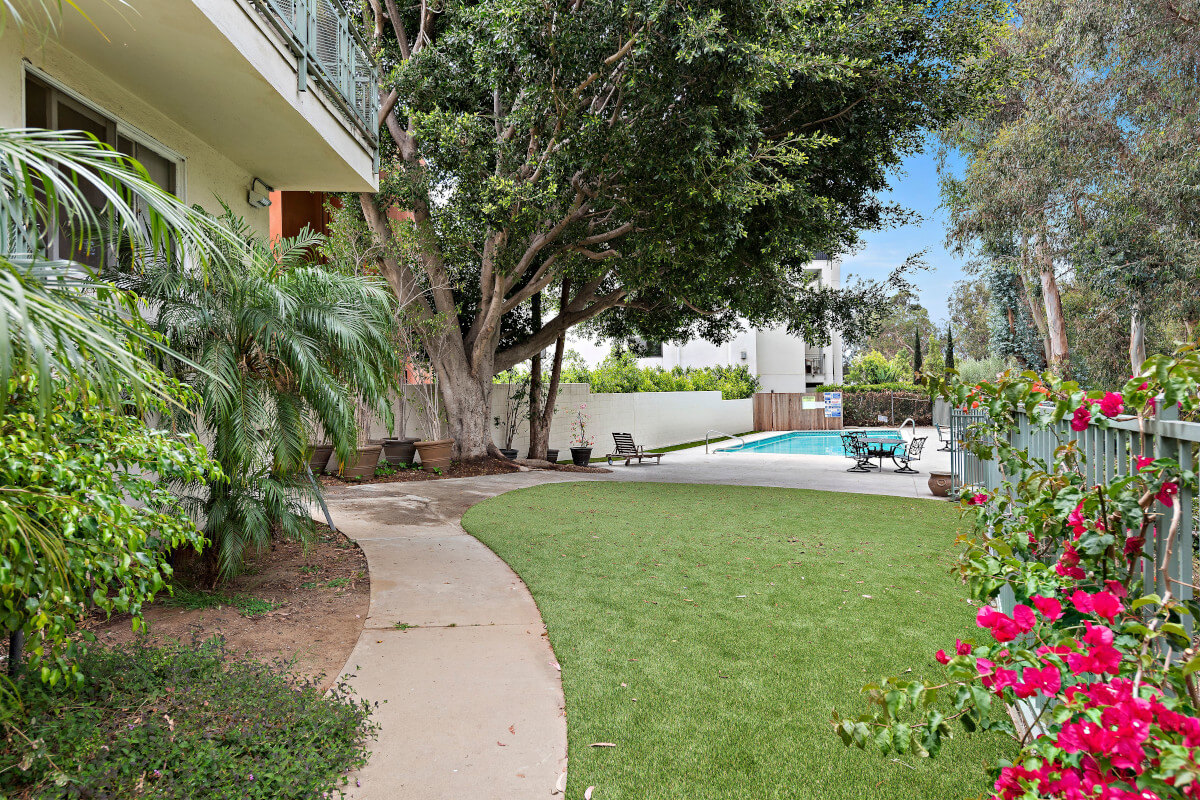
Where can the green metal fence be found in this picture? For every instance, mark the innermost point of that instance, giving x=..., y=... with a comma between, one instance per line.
x=330, y=52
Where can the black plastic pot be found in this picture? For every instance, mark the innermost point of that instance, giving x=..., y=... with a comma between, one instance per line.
x=509, y=453
x=581, y=456
x=552, y=456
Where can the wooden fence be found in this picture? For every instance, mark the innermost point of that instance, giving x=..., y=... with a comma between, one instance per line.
x=784, y=411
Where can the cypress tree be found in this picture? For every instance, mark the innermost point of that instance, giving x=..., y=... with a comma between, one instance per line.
x=917, y=362
x=949, y=348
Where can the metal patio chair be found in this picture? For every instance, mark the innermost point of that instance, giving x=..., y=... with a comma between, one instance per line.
x=856, y=450
x=912, y=452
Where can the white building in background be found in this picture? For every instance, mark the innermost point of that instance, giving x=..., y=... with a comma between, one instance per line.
x=782, y=362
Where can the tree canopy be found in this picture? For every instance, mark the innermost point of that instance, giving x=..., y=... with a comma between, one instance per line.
x=677, y=164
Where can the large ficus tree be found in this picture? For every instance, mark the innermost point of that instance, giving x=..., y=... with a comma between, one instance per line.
x=680, y=161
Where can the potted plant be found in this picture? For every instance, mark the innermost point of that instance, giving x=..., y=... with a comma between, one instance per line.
x=434, y=451
x=581, y=443
x=366, y=457
x=318, y=457
x=552, y=454
x=401, y=451
x=515, y=407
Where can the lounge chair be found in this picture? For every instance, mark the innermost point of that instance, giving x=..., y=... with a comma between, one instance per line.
x=912, y=452
x=626, y=449
x=944, y=438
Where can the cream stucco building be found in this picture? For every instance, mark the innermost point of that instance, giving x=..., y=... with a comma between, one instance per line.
x=221, y=100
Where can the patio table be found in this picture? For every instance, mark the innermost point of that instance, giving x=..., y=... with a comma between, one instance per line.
x=882, y=447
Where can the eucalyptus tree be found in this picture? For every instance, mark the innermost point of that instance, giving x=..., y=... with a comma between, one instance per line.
x=1089, y=164
x=681, y=160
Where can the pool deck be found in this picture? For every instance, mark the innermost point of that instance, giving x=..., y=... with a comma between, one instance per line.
x=827, y=473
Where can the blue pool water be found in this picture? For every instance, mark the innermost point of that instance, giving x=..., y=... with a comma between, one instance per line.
x=803, y=443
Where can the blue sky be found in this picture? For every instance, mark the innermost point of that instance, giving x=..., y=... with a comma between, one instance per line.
x=915, y=188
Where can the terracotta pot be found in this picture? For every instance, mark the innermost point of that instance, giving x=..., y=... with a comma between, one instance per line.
x=581, y=456
x=364, y=463
x=509, y=453
x=435, y=454
x=319, y=457
x=400, y=452
x=939, y=483
x=551, y=455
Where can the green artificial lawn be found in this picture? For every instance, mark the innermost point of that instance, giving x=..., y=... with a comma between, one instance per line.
x=707, y=694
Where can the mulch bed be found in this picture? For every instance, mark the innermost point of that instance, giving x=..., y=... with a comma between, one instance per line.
x=458, y=469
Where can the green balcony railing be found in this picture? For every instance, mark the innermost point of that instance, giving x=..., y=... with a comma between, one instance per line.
x=331, y=53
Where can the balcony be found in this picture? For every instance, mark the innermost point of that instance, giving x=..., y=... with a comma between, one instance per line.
x=283, y=88
x=330, y=52
x=814, y=366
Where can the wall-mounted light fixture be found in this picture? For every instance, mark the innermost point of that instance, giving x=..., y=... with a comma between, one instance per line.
x=743, y=355
x=259, y=199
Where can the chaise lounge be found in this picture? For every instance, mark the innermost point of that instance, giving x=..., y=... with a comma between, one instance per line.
x=626, y=449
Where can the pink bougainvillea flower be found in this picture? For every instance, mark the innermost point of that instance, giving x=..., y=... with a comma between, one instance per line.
x=1143, y=462
x=985, y=615
x=983, y=666
x=962, y=648
x=1116, y=588
x=1167, y=492
x=941, y=657
x=1082, y=601
x=1024, y=617
x=1047, y=680
x=1112, y=404
x=1134, y=545
x=1081, y=418
x=978, y=499
x=1068, y=563
x=1077, y=522
x=1145, y=385
x=1099, y=660
x=1003, y=627
x=1106, y=605
x=1097, y=634
x=1048, y=607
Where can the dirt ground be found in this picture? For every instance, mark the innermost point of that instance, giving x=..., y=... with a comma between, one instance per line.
x=315, y=606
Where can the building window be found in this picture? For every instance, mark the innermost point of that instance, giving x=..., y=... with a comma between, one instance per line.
x=644, y=349
x=47, y=106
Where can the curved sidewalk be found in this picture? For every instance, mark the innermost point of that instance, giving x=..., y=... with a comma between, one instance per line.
x=455, y=646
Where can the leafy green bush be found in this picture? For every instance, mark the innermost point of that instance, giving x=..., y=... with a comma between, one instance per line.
x=182, y=722
x=619, y=372
x=874, y=368
x=87, y=515
x=861, y=388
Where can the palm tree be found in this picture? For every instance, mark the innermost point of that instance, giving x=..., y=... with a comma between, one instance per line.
x=56, y=318
x=284, y=347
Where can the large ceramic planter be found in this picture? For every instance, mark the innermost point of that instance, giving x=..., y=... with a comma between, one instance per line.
x=400, y=452
x=364, y=464
x=509, y=452
x=552, y=456
x=435, y=454
x=319, y=457
x=581, y=456
x=939, y=483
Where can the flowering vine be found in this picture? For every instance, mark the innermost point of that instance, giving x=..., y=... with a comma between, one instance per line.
x=1097, y=649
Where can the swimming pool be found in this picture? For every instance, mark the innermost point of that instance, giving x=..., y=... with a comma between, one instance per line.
x=804, y=443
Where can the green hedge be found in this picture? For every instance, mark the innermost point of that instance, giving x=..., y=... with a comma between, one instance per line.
x=859, y=388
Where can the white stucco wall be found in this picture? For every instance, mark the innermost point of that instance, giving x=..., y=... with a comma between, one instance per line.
x=656, y=419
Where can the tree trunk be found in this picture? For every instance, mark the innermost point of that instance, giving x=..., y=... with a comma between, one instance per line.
x=466, y=391
x=1137, y=337
x=541, y=414
x=1056, y=323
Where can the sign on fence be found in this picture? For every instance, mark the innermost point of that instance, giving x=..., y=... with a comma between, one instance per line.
x=833, y=404
x=809, y=402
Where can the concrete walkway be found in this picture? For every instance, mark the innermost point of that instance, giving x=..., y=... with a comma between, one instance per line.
x=473, y=702
x=454, y=645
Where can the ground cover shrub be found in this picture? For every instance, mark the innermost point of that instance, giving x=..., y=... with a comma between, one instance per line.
x=1097, y=636
x=181, y=722
x=708, y=631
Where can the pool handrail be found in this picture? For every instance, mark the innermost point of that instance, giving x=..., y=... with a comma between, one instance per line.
x=910, y=422
x=723, y=433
